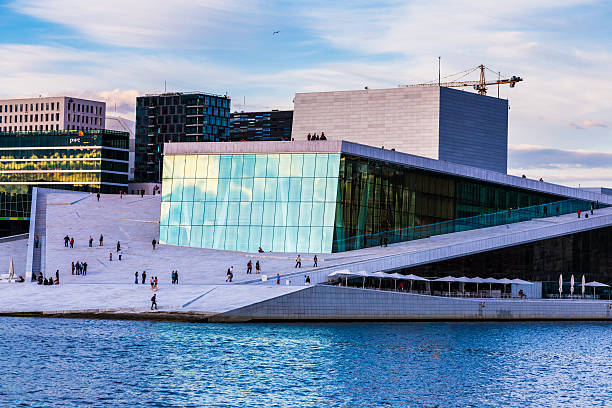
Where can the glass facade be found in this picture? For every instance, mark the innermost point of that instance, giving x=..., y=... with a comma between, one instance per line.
x=279, y=202
x=266, y=126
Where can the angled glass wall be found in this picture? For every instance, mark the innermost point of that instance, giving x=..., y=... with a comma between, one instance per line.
x=279, y=202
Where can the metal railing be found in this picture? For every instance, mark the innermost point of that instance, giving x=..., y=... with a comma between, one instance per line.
x=463, y=224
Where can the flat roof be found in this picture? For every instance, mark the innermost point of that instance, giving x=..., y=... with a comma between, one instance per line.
x=390, y=156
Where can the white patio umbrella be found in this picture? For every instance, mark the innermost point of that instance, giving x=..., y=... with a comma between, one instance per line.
x=364, y=275
x=560, y=285
x=596, y=284
x=380, y=275
x=448, y=279
x=395, y=277
x=463, y=279
x=11, y=270
x=490, y=281
x=342, y=272
x=583, y=287
x=572, y=285
x=505, y=281
x=412, y=277
x=520, y=282
x=477, y=281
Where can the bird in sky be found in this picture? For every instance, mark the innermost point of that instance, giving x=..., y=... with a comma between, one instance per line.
x=275, y=32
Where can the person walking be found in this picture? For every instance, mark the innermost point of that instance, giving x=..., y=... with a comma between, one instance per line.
x=578, y=213
x=154, y=242
x=118, y=246
x=155, y=280
x=90, y=241
x=249, y=267
x=84, y=268
x=66, y=241
x=73, y=267
x=110, y=256
x=257, y=267
x=101, y=240
x=232, y=270
x=176, y=277
x=277, y=279
x=308, y=279
x=152, y=284
x=98, y=197
x=72, y=242
x=36, y=241
x=315, y=259
x=144, y=277
x=172, y=277
x=298, y=261
x=154, y=301
x=136, y=278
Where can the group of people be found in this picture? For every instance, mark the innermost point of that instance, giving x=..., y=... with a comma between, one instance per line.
x=250, y=267
x=41, y=280
x=79, y=268
x=175, y=277
x=316, y=137
x=298, y=261
x=68, y=242
x=144, y=277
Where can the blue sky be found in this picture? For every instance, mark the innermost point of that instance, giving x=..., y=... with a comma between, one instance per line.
x=560, y=117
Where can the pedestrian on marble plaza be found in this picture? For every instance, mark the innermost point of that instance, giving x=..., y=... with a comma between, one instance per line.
x=144, y=277
x=73, y=267
x=172, y=277
x=57, y=275
x=84, y=268
x=66, y=241
x=136, y=278
x=40, y=278
x=578, y=213
x=155, y=280
x=305, y=280
x=36, y=241
x=228, y=276
x=257, y=267
x=315, y=259
x=101, y=240
x=176, y=277
x=50, y=280
x=142, y=193
x=277, y=279
x=592, y=208
x=232, y=270
x=152, y=284
x=154, y=301
x=98, y=197
x=298, y=261
x=154, y=242
x=72, y=242
x=308, y=279
x=110, y=256
x=90, y=241
x=249, y=267
x=118, y=246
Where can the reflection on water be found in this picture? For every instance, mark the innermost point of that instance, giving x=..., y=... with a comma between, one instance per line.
x=61, y=362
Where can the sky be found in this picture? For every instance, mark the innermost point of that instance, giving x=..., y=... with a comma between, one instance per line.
x=560, y=116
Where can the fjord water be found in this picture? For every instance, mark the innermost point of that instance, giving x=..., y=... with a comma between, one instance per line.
x=99, y=363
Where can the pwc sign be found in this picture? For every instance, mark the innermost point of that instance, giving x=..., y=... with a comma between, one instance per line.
x=78, y=138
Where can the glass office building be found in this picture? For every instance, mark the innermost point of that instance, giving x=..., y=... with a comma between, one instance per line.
x=316, y=197
x=90, y=160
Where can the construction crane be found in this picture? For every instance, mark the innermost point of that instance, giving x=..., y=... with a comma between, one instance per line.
x=480, y=85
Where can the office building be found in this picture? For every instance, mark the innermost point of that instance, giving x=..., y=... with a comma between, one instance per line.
x=120, y=124
x=86, y=160
x=53, y=113
x=176, y=117
x=261, y=126
x=439, y=123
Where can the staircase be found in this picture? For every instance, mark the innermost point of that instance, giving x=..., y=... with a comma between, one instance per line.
x=40, y=229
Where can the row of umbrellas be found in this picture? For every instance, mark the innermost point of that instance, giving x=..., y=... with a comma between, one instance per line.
x=584, y=285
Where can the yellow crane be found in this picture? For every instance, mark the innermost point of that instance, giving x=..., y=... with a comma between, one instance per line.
x=480, y=85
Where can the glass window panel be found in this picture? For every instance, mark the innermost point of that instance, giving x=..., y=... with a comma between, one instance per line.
x=309, y=165
x=190, y=166
x=173, y=233
x=221, y=213
x=213, y=167
x=330, y=213
x=270, y=190
x=179, y=167
x=333, y=165
x=245, y=213
x=318, y=193
x=164, y=213
x=257, y=213
x=242, y=242
x=307, y=187
x=198, y=213
x=255, y=239
x=175, y=213
x=237, y=161
x=166, y=189
x=260, y=165
x=225, y=166
x=219, y=237
x=296, y=165
x=248, y=166
x=202, y=166
x=259, y=185
x=293, y=213
x=177, y=190
x=280, y=214
x=212, y=186
x=272, y=166
x=233, y=212
x=235, y=189
x=231, y=235
x=331, y=190
x=282, y=189
x=305, y=213
x=321, y=165
x=210, y=213
x=195, y=239
x=268, y=213
x=184, y=235
x=246, y=193
x=278, y=244
x=326, y=242
x=207, y=236
x=267, y=235
x=223, y=190
x=188, y=187
x=186, y=211
x=291, y=239
x=318, y=211
x=316, y=238
x=163, y=234
x=199, y=193
x=168, y=166
x=295, y=189
x=303, y=239
x=284, y=165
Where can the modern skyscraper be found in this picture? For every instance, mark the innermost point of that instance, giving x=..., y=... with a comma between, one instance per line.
x=176, y=117
x=265, y=126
